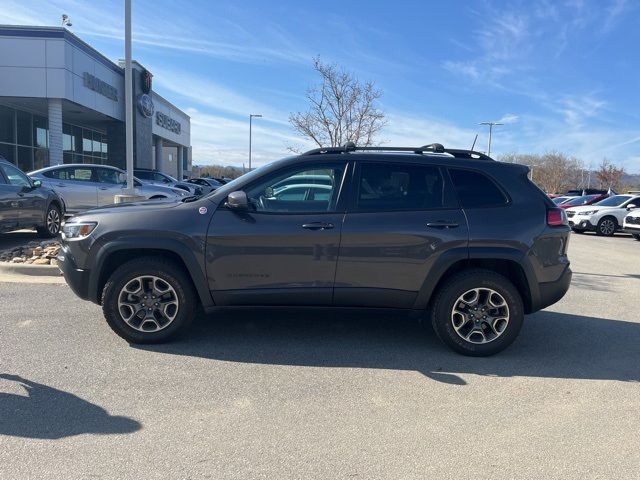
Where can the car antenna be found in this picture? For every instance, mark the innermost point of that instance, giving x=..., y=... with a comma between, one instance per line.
x=474, y=142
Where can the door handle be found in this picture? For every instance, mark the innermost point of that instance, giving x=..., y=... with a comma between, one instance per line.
x=15, y=204
x=441, y=224
x=318, y=226
x=103, y=188
x=60, y=185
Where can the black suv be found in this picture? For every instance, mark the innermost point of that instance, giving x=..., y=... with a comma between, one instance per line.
x=25, y=203
x=467, y=241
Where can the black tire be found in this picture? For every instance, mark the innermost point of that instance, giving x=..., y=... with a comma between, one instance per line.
x=636, y=236
x=603, y=229
x=577, y=230
x=52, y=222
x=446, y=299
x=166, y=270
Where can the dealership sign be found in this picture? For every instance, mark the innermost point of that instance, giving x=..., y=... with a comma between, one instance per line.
x=103, y=88
x=145, y=105
x=165, y=121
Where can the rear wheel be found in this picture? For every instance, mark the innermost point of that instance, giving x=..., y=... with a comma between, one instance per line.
x=477, y=313
x=148, y=300
x=52, y=222
x=606, y=226
x=636, y=236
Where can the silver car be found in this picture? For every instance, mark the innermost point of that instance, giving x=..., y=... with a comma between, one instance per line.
x=86, y=186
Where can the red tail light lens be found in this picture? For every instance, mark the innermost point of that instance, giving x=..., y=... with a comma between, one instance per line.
x=556, y=217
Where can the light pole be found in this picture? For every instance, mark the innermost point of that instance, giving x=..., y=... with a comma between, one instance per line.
x=251, y=117
x=128, y=96
x=491, y=125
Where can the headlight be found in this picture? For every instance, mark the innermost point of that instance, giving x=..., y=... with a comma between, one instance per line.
x=77, y=230
x=589, y=212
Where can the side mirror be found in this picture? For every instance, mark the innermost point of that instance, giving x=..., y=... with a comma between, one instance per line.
x=631, y=206
x=237, y=201
x=36, y=183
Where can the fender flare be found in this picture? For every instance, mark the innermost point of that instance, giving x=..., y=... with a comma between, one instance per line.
x=173, y=245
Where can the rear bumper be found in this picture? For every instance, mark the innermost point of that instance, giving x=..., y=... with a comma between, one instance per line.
x=551, y=292
x=76, y=278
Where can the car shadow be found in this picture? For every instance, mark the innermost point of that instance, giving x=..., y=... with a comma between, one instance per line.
x=551, y=345
x=48, y=413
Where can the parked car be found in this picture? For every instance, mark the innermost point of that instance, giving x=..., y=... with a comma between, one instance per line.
x=85, y=186
x=604, y=217
x=154, y=177
x=452, y=235
x=631, y=222
x=587, y=191
x=206, y=184
x=25, y=203
x=583, y=200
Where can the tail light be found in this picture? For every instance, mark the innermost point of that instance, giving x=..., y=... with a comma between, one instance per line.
x=556, y=217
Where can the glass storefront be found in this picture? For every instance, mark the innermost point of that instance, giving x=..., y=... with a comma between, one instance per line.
x=24, y=141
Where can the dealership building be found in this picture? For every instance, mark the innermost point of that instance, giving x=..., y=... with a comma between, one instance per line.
x=62, y=101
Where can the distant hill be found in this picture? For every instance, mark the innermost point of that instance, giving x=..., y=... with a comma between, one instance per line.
x=631, y=180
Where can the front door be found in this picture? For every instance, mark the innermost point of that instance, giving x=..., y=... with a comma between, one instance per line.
x=402, y=217
x=30, y=205
x=284, y=250
x=8, y=203
x=109, y=185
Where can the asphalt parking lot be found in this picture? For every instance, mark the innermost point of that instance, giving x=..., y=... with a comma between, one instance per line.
x=263, y=395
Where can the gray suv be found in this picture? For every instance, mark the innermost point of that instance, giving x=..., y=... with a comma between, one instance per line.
x=448, y=235
x=85, y=186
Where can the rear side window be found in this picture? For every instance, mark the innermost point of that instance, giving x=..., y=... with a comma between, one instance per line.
x=476, y=190
x=80, y=174
x=391, y=187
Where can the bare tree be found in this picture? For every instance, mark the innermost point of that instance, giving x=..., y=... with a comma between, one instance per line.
x=609, y=176
x=554, y=172
x=341, y=109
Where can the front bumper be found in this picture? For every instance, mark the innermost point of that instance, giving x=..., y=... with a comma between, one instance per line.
x=580, y=223
x=76, y=278
x=635, y=230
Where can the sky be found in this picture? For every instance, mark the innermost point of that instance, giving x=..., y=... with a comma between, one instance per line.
x=561, y=75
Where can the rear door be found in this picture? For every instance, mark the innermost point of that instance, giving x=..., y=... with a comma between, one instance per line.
x=77, y=185
x=284, y=251
x=402, y=218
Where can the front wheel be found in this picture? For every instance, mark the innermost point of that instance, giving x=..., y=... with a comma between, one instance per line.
x=606, y=227
x=636, y=236
x=148, y=300
x=52, y=223
x=477, y=313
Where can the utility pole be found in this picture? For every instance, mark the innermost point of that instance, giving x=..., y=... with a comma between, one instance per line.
x=491, y=125
x=251, y=117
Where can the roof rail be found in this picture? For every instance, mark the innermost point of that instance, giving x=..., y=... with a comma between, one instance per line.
x=431, y=148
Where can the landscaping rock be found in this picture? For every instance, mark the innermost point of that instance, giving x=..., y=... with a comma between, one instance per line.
x=41, y=261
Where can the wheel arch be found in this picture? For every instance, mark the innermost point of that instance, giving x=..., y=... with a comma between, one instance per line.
x=113, y=255
x=510, y=263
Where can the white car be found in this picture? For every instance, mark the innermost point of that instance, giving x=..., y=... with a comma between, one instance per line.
x=604, y=217
x=632, y=223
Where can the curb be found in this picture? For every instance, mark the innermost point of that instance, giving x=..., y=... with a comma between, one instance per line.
x=29, y=270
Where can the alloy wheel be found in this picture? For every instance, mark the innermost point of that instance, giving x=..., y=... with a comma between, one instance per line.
x=53, y=221
x=480, y=315
x=148, y=303
x=607, y=227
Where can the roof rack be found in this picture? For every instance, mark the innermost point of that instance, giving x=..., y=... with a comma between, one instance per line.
x=431, y=148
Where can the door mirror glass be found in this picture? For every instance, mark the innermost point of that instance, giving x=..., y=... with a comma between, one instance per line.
x=631, y=206
x=36, y=183
x=238, y=201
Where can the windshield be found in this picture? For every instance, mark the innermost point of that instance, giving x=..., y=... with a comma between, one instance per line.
x=559, y=200
x=231, y=186
x=614, y=201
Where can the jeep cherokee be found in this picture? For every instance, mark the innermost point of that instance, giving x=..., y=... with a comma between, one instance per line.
x=453, y=236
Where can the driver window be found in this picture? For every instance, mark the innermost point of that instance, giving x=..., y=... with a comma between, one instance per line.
x=15, y=176
x=106, y=175
x=301, y=190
